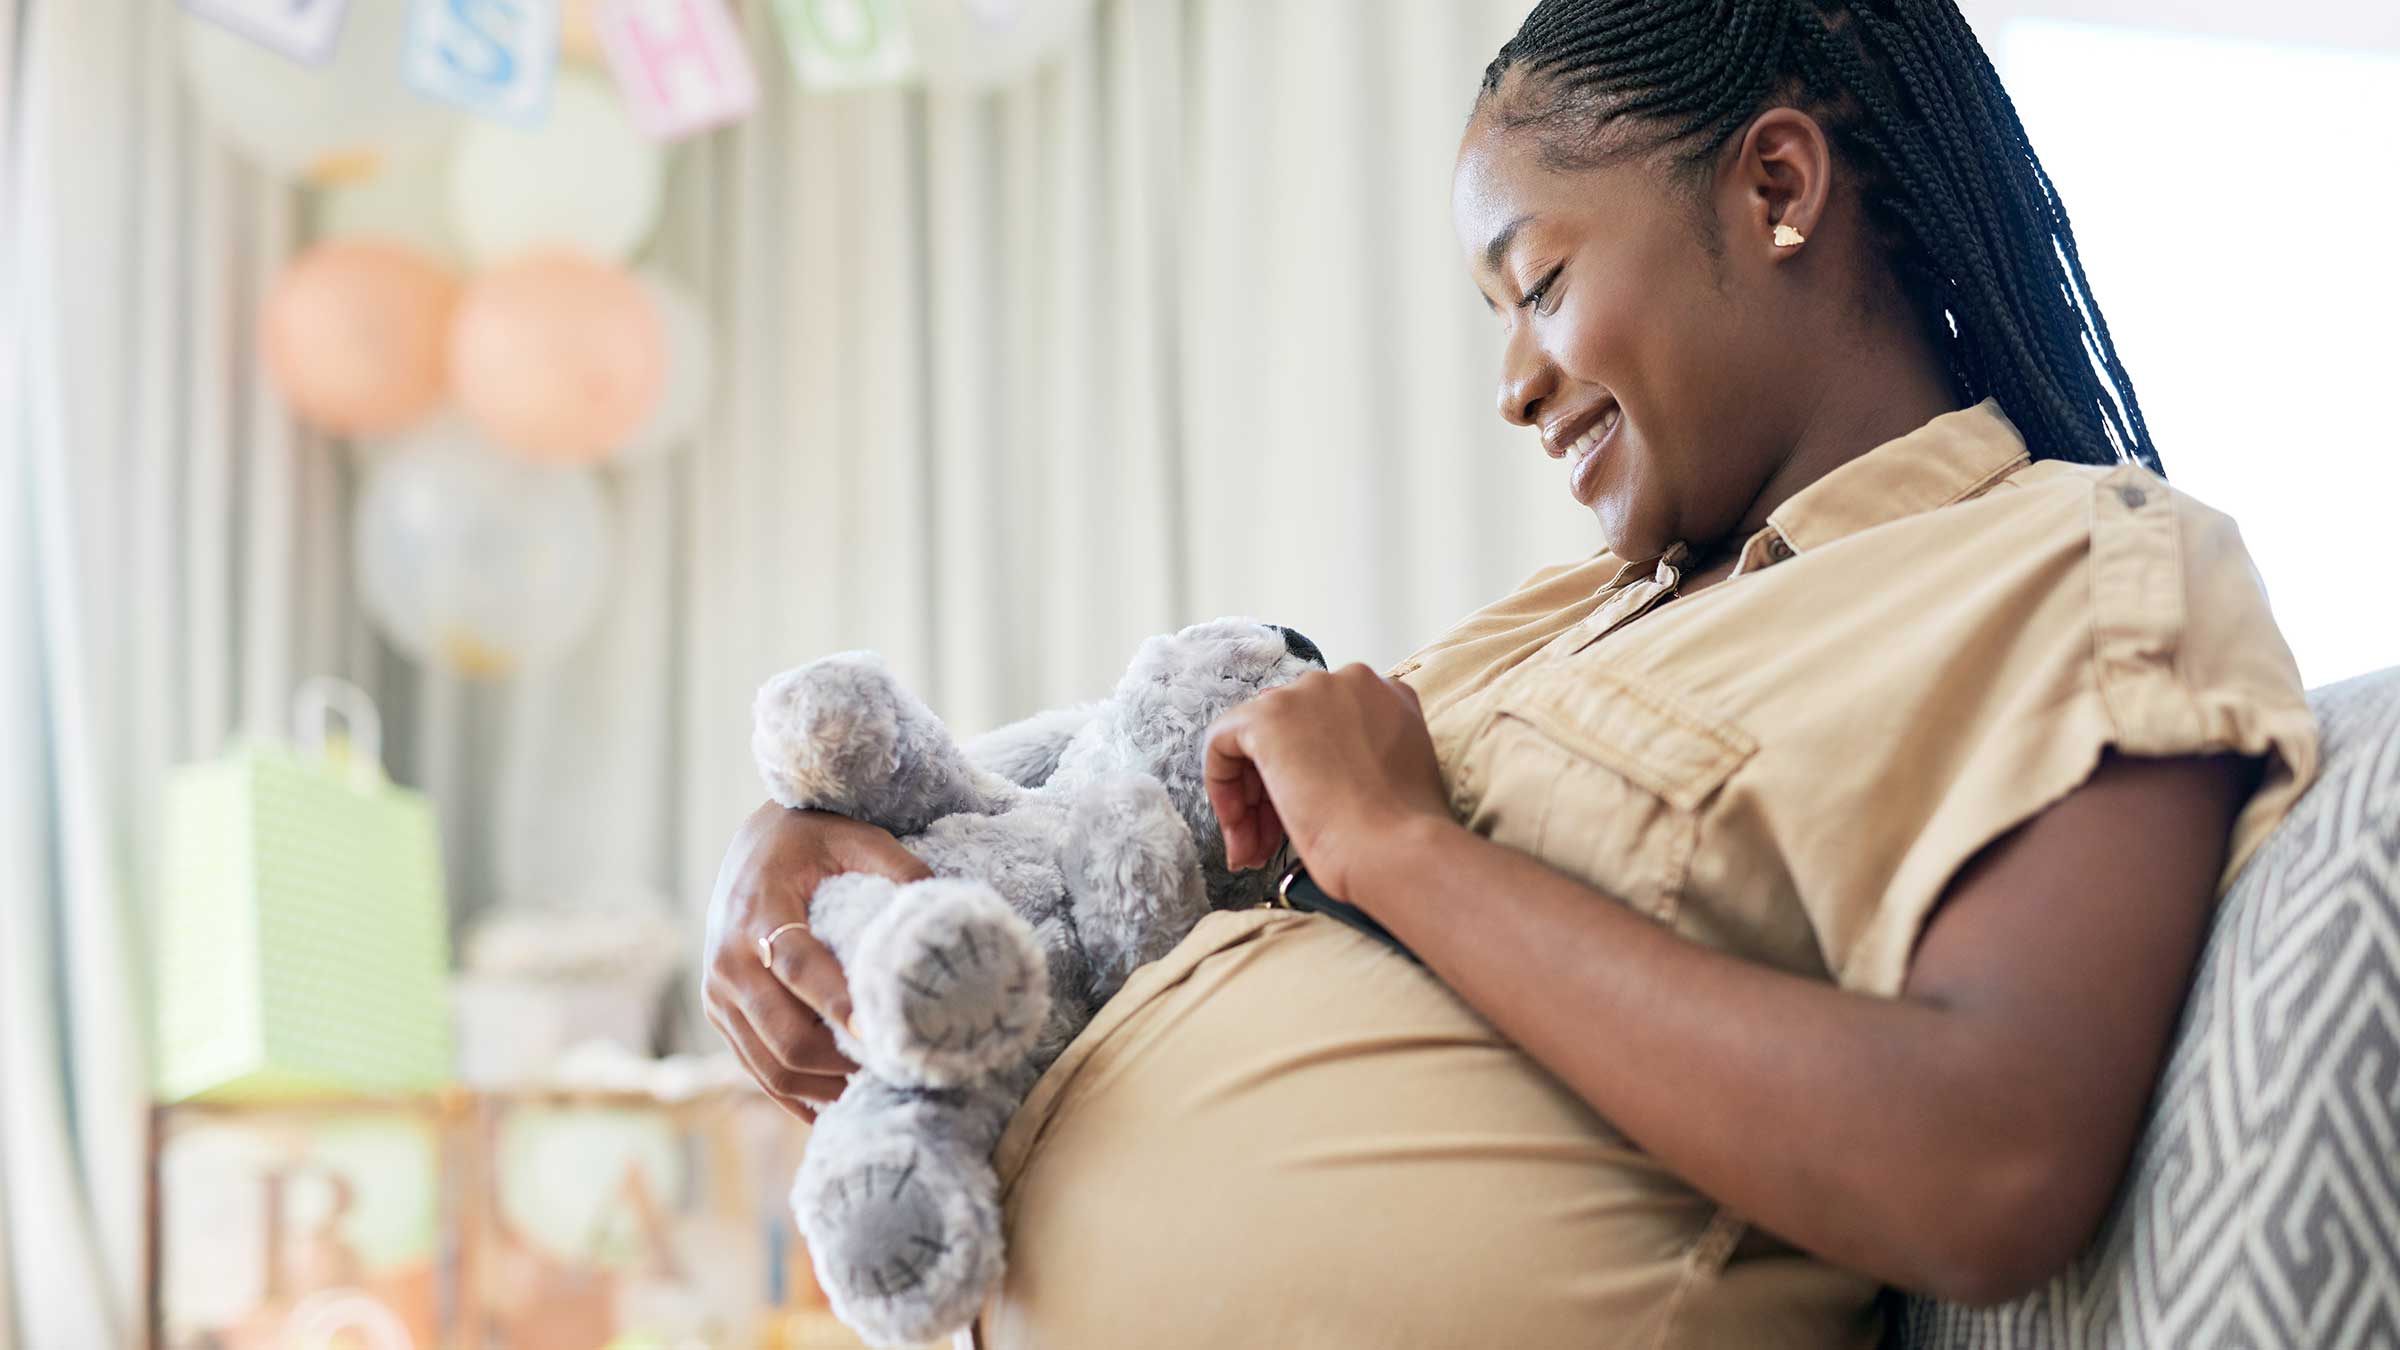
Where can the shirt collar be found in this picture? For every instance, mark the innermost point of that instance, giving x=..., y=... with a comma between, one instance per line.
x=1949, y=459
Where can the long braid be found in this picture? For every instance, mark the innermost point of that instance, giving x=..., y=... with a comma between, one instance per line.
x=1979, y=239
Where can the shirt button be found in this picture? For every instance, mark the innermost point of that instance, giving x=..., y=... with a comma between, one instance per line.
x=1777, y=548
x=2133, y=497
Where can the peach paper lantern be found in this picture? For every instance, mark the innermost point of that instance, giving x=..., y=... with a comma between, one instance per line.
x=558, y=357
x=356, y=334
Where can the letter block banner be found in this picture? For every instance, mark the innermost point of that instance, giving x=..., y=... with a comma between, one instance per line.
x=680, y=64
x=839, y=44
x=496, y=57
x=304, y=30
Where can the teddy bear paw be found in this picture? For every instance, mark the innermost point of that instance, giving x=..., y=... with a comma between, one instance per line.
x=905, y=1239
x=948, y=985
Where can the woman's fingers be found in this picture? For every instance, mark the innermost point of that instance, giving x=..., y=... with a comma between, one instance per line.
x=796, y=1092
x=867, y=849
x=803, y=968
x=1235, y=791
x=794, y=1035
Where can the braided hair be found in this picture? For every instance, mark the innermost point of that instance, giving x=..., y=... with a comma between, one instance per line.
x=1975, y=231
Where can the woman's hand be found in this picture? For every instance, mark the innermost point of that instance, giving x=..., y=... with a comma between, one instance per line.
x=775, y=1018
x=1334, y=760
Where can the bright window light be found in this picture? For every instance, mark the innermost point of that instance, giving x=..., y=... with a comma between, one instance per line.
x=2240, y=222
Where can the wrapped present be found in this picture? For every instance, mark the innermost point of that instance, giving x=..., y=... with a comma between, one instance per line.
x=301, y=944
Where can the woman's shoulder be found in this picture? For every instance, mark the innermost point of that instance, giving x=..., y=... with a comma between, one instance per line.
x=2143, y=556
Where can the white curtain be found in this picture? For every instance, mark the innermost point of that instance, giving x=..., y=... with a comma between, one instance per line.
x=171, y=559
x=1013, y=381
x=1007, y=383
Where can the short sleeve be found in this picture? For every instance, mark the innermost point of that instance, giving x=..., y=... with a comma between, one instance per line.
x=2175, y=653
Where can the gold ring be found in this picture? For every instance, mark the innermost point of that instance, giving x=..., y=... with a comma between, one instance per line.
x=766, y=945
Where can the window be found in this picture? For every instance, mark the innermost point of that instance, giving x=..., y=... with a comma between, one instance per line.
x=2241, y=226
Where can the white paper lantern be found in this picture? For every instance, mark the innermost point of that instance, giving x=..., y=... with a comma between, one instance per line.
x=980, y=44
x=477, y=562
x=583, y=179
x=339, y=122
x=691, y=371
x=407, y=203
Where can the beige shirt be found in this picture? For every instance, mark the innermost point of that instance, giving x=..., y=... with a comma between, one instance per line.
x=1919, y=652
x=1281, y=1134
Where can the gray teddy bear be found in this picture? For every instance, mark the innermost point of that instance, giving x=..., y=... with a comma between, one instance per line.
x=1067, y=849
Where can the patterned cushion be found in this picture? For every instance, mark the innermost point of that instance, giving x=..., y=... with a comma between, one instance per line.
x=2263, y=1205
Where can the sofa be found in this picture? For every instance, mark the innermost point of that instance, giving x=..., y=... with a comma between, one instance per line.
x=2262, y=1206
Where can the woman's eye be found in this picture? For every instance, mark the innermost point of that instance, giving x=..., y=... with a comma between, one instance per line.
x=1542, y=291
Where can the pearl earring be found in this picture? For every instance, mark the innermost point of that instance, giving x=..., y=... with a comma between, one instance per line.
x=1787, y=237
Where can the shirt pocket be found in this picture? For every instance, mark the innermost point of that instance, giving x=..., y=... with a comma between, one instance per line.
x=1602, y=776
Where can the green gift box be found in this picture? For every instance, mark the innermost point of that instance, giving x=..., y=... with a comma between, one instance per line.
x=302, y=943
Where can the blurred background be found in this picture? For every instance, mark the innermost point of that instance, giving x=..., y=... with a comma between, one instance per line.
x=549, y=373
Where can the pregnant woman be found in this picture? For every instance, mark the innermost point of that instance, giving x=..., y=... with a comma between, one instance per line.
x=1806, y=883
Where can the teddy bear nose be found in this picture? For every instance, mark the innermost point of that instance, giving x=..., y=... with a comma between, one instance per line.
x=1300, y=645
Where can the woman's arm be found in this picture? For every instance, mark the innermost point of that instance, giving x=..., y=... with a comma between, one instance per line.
x=1964, y=1139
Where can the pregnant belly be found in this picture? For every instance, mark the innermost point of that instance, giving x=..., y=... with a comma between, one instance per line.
x=1283, y=1134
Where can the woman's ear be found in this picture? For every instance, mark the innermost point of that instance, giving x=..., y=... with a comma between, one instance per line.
x=1774, y=190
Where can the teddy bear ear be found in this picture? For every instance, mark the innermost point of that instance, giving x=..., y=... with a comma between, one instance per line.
x=1298, y=644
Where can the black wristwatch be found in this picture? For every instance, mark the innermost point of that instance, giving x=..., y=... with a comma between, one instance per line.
x=1298, y=890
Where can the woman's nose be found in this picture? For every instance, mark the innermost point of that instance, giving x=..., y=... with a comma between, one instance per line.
x=1526, y=378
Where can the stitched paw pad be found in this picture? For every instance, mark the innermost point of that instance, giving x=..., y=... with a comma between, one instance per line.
x=904, y=1243
x=949, y=984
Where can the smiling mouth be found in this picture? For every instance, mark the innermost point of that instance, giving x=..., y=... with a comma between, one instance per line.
x=1595, y=433
x=1584, y=453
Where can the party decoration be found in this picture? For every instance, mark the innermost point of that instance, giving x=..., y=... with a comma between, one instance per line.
x=304, y=30
x=836, y=44
x=406, y=204
x=355, y=334
x=630, y=1212
x=558, y=357
x=690, y=372
x=578, y=40
x=543, y=978
x=679, y=62
x=493, y=56
x=301, y=939
x=476, y=563
x=980, y=44
x=302, y=1227
x=584, y=178
x=334, y=123
x=560, y=1171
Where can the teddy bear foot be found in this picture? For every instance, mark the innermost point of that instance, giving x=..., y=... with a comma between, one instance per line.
x=905, y=1241
x=947, y=984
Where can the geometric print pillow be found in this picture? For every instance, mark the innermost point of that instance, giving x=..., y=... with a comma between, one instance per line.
x=2262, y=1207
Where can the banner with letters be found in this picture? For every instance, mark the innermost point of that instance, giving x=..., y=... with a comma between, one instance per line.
x=839, y=44
x=679, y=63
x=304, y=30
x=495, y=57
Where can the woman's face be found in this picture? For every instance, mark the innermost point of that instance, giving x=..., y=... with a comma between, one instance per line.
x=1626, y=342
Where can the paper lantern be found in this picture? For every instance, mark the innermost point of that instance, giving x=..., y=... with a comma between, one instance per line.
x=479, y=563
x=583, y=179
x=334, y=123
x=558, y=357
x=690, y=371
x=407, y=203
x=356, y=335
